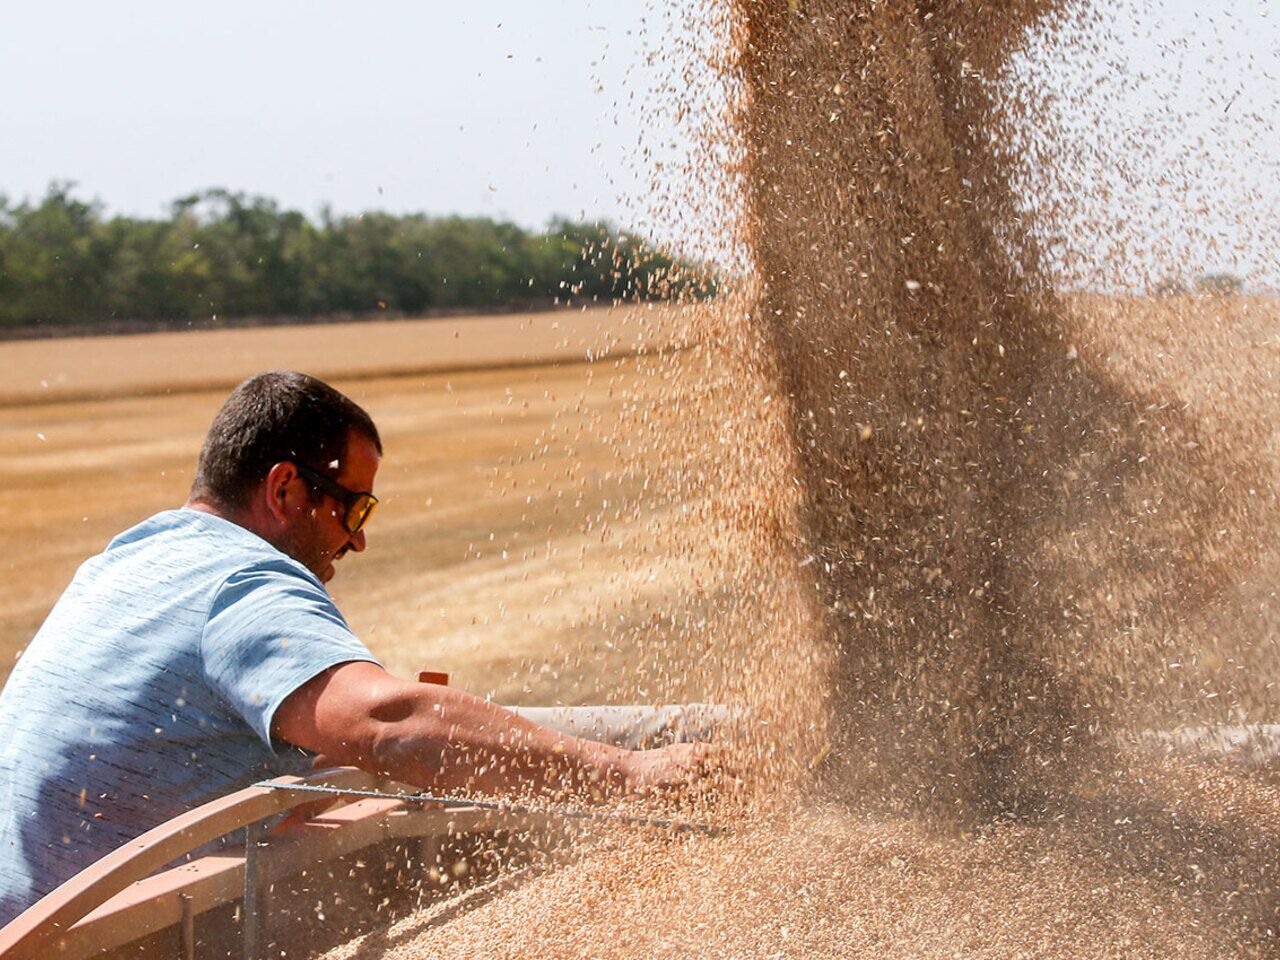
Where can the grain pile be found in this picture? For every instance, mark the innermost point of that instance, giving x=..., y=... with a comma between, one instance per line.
x=979, y=545
x=834, y=882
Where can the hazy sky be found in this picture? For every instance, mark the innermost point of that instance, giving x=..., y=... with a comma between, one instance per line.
x=499, y=108
x=1168, y=113
x=525, y=110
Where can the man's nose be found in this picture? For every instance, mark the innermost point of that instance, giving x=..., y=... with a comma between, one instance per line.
x=357, y=541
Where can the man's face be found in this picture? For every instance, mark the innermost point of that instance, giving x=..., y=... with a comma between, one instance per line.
x=318, y=537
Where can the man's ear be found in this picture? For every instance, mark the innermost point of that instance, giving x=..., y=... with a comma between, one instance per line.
x=281, y=488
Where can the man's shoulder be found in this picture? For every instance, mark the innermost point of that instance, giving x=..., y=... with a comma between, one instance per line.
x=180, y=567
x=192, y=540
x=184, y=526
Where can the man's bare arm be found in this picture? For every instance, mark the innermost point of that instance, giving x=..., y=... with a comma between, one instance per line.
x=440, y=738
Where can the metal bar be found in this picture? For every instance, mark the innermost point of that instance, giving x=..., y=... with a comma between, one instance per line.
x=679, y=826
x=253, y=904
x=188, y=926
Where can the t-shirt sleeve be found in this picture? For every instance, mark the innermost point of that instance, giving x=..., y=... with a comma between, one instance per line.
x=270, y=630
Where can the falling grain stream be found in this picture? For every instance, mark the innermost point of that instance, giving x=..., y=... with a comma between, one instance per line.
x=982, y=535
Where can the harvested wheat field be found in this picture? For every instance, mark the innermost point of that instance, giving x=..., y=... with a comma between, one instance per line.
x=487, y=560
x=77, y=368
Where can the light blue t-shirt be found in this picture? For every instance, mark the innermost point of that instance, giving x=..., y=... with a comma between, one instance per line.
x=150, y=689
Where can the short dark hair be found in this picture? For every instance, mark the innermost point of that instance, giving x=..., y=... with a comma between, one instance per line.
x=271, y=418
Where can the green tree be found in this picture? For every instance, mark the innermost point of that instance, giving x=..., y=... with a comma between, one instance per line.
x=1219, y=284
x=229, y=254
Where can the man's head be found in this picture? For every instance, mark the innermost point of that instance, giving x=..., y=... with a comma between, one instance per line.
x=272, y=458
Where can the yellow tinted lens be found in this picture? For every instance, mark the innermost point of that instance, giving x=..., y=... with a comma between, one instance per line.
x=360, y=513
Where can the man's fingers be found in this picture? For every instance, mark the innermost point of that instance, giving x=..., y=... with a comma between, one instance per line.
x=688, y=770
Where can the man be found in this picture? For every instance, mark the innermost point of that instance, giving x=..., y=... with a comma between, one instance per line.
x=200, y=652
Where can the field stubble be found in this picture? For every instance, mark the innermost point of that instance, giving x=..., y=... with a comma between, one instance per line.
x=503, y=485
x=514, y=508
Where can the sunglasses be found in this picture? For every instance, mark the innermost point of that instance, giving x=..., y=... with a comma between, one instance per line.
x=359, y=506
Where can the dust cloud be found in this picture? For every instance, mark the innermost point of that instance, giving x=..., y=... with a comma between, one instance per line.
x=982, y=534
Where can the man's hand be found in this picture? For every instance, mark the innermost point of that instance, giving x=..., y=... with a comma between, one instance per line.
x=681, y=770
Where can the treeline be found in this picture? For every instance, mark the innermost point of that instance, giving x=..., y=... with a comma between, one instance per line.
x=223, y=255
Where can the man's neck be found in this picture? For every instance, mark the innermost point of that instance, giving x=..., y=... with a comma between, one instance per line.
x=241, y=518
x=253, y=517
